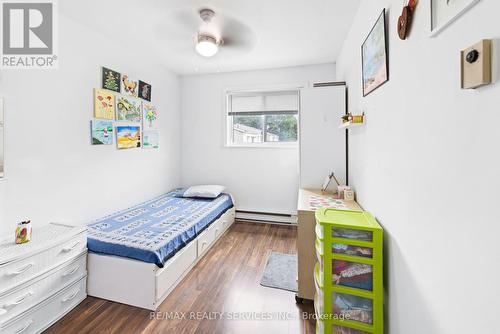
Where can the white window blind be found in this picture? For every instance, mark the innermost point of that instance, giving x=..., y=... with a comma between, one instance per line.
x=261, y=103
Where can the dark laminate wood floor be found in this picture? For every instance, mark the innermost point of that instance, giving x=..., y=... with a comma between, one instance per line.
x=226, y=280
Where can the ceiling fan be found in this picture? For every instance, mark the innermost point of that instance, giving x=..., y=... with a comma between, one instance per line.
x=207, y=43
x=216, y=32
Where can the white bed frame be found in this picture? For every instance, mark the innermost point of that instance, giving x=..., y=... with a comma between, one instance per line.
x=144, y=284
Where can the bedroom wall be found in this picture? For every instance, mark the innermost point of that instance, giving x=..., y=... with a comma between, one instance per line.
x=261, y=179
x=426, y=164
x=53, y=174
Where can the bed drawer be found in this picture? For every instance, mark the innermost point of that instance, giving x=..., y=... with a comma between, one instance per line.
x=17, y=272
x=218, y=228
x=31, y=293
x=43, y=315
x=227, y=219
x=168, y=275
x=205, y=240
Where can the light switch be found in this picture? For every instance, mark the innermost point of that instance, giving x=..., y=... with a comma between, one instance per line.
x=476, y=65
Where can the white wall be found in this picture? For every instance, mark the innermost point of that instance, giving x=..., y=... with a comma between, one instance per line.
x=426, y=164
x=52, y=171
x=261, y=179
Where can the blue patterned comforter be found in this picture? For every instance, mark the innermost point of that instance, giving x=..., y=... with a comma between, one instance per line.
x=155, y=230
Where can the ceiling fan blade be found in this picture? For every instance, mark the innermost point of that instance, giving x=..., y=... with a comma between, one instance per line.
x=179, y=29
x=185, y=20
x=238, y=35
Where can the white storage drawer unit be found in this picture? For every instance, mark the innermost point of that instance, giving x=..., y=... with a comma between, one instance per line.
x=33, y=274
x=45, y=314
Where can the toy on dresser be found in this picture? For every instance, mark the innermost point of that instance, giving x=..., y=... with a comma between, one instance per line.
x=23, y=232
x=343, y=191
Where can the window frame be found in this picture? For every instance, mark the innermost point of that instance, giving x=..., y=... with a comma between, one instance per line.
x=227, y=119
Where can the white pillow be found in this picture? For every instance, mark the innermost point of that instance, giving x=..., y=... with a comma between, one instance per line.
x=204, y=191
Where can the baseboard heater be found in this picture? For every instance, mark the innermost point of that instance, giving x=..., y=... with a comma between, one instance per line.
x=266, y=217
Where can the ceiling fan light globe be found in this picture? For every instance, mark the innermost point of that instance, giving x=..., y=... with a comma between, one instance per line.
x=207, y=46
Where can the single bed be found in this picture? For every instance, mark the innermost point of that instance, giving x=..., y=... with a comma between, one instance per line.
x=137, y=256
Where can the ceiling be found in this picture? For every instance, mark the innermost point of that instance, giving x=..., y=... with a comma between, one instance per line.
x=277, y=33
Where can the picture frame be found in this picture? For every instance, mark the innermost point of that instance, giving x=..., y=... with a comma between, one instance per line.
x=149, y=116
x=101, y=132
x=128, y=109
x=150, y=139
x=104, y=104
x=110, y=79
x=129, y=86
x=144, y=91
x=444, y=13
x=374, y=57
x=128, y=136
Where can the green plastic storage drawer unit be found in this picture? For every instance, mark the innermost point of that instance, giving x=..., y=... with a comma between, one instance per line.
x=349, y=273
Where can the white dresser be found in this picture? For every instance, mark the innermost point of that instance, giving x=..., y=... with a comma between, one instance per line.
x=42, y=280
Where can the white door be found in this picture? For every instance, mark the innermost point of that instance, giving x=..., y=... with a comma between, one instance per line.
x=322, y=143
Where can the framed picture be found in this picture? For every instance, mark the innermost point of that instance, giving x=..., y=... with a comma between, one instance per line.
x=144, y=91
x=102, y=132
x=128, y=136
x=110, y=80
x=104, y=104
x=128, y=109
x=444, y=12
x=150, y=116
x=151, y=139
x=129, y=86
x=374, y=57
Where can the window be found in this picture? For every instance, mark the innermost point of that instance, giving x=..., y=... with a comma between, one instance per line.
x=262, y=118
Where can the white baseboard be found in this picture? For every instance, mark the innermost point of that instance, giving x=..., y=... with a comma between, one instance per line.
x=266, y=217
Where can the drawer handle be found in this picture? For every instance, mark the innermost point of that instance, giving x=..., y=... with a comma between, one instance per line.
x=73, y=295
x=28, y=324
x=7, y=306
x=69, y=249
x=71, y=271
x=20, y=270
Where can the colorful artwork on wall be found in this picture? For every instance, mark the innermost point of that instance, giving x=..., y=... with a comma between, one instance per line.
x=104, y=104
x=129, y=86
x=128, y=109
x=111, y=80
x=150, y=116
x=101, y=132
x=120, y=99
x=128, y=136
x=374, y=57
x=151, y=139
x=144, y=91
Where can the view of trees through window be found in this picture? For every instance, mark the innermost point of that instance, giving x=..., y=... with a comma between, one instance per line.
x=277, y=128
